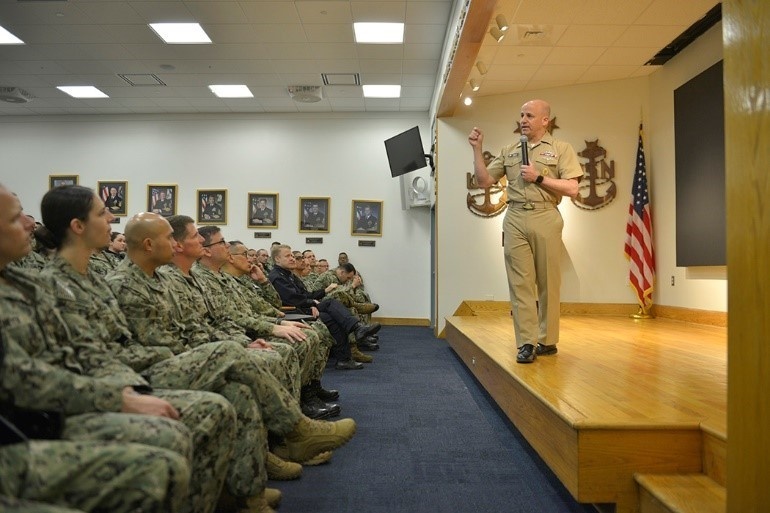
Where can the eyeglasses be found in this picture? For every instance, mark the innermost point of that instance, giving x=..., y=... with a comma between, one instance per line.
x=223, y=242
x=242, y=253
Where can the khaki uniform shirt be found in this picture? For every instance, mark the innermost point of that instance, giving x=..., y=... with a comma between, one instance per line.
x=551, y=157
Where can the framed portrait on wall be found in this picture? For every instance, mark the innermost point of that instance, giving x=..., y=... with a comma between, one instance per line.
x=212, y=206
x=161, y=199
x=314, y=214
x=58, y=180
x=115, y=196
x=263, y=210
x=366, y=218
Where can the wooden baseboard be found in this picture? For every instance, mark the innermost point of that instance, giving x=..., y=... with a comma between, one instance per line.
x=692, y=315
x=401, y=321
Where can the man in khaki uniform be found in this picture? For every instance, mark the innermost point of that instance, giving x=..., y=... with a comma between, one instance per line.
x=532, y=225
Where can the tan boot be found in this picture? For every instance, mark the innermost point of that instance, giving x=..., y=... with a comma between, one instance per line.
x=366, y=308
x=312, y=437
x=322, y=458
x=359, y=356
x=281, y=470
x=273, y=497
x=258, y=503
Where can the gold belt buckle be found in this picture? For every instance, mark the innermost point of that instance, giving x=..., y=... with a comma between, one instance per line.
x=529, y=206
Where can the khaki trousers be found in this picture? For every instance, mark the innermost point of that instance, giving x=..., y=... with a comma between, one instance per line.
x=532, y=252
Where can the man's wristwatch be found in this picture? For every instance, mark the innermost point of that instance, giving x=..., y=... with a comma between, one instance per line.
x=539, y=179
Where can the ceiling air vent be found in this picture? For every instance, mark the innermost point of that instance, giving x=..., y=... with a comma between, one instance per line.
x=14, y=95
x=305, y=94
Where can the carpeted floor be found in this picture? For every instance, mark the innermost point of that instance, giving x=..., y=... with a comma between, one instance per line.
x=429, y=440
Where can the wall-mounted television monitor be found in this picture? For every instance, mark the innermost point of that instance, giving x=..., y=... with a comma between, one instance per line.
x=405, y=152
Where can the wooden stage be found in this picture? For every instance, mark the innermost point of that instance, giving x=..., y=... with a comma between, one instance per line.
x=626, y=408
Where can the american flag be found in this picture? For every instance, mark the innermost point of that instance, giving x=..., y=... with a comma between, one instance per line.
x=639, y=234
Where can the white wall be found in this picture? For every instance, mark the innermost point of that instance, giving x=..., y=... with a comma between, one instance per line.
x=595, y=270
x=339, y=156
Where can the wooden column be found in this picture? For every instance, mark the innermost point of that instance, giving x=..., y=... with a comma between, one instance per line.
x=747, y=145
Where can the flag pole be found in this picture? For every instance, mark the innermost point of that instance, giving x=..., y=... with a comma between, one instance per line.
x=643, y=313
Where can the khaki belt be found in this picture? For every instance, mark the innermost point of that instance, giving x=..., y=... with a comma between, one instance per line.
x=531, y=205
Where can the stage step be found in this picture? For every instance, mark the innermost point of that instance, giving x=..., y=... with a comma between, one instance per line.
x=685, y=493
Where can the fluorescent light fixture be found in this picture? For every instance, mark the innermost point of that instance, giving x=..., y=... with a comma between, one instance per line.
x=385, y=33
x=6, y=38
x=474, y=85
x=497, y=34
x=382, y=91
x=180, y=33
x=502, y=23
x=468, y=100
x=231, y=91
x=82, y=91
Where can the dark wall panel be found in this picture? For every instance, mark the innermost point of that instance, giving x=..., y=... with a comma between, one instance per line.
x=700, y=170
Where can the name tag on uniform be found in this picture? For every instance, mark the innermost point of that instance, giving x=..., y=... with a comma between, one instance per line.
x=548, y=154
x=515, y=154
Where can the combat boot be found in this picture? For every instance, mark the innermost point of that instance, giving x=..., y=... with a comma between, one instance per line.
x=321, y=459
x=359, y=356
x=259, y=503
x=312, y=437
x=281, y=470
x=366, y=308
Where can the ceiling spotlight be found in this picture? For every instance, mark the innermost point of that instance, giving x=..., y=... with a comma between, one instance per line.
x=481, y=67
x=502, y=23
x=468, y=100
x=497, y=34
x=474, y=85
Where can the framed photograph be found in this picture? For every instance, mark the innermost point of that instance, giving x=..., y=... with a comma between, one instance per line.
x=212, y=206
x=366, y=218
x=57, y=180
x=314, y=214
x=161, y=199
x=263, y=210
x=114, y=195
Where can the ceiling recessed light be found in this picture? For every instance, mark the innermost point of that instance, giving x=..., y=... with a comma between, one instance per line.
x=6, y=38
x=468, y=100
x=180, y=33
x=384, y=33
x=82, y=91
x=382, y=91
x=231, y=91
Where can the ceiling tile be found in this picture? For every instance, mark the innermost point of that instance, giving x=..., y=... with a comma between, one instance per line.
x=333, y=51
x=546, y=12
x=330, y=33
x=381, y=12
x=658, y=36
x=339, y=66
x=279, y=33
x=162, y=11
x=216, y=12
x=322, y=11
x=424, y=33
x=271, y=12
x=563, y=72
x=417, y=80
x=381, y=66
x=664, y=12
x=590, y=35
x=521, y=55
x=366, y=51
x=626, y=56
x=603, y=73
x=381, y=78
x=428, y=13
x=110, y=13
x=510, y=72
x=574, y=55
x=344, y=92
x=422, y=52
x=420, y=67
x=610, y=12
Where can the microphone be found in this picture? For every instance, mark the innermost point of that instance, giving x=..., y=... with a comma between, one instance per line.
x=524, y=150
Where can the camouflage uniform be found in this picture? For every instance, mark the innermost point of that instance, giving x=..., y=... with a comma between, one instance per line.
x=152, y=314
x=195, y=311
x=245, y=289
x=92, y=476
x=344, y=293
x=33, y=260
x=226, y=305
x=52, y=369
x=11, y=505
x=265, y=290
x=104, y=262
